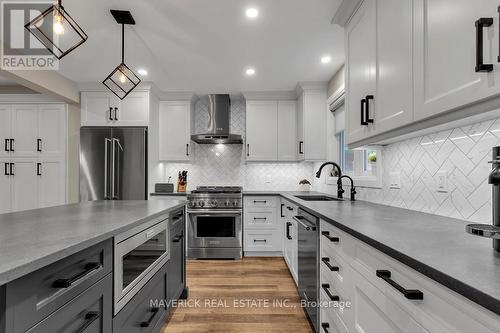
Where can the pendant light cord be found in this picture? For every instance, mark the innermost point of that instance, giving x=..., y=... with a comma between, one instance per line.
x=123, y=43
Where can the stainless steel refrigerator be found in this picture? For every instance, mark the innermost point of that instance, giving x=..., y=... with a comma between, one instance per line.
x=113, y=163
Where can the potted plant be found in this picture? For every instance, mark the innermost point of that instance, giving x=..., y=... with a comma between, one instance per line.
x=304, y=185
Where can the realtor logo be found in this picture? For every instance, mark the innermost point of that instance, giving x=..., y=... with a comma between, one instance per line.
x=20, y=50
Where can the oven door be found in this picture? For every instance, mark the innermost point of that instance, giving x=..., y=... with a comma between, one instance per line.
x=215, y=229
x=137, y=258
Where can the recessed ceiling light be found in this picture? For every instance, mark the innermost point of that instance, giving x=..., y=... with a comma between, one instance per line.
x=250, y=71
x=326, y=59
x=142, y=72
x=252, y=13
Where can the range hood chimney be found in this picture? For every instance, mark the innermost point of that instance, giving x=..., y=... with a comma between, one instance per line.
x=219, y=123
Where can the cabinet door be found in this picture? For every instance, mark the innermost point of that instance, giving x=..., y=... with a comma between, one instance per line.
x=25, y=129
x=5, y=186
x=262, y=131
x=134, y=110
x=393, y=104
x=96, y=108
x=175, y=131
x=52, y=183
x=52, y=129
x=315, y=125
x=361, y=68
x=300, y=129
x=24, y=184
x=287, y=130
x=374, y=312
x=5, y=129
x=445, y=55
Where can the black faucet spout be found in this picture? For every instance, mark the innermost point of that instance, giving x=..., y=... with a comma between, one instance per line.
x=353, y=189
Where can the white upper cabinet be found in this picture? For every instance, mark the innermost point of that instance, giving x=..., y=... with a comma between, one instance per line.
x=174, y=128
x=445, y=55
x=24, y=129
x=262, y=130
x=102, y=108
x=311, y=129
x=51, y=130
x=287, y=131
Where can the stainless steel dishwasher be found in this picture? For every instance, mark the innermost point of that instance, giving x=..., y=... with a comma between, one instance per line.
x=308, y=235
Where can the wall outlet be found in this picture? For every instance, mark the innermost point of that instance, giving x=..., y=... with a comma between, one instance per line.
x=395, y=180
x=442, y=181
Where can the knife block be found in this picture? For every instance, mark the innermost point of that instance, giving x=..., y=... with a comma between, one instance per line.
x=181, y=187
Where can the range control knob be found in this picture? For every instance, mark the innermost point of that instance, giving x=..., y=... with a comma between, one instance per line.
x=227, y=203
x=192, y=203
x=235, y=203
x=202, y=203
x=214, y=203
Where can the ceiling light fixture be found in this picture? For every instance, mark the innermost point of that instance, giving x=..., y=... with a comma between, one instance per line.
x=250, y=71
x=57, y=30
x=122, y=79
x=252, y=13
x=326, y=59
x=142, y=72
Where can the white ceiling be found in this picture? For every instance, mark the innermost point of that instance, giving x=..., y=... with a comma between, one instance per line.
x=206, y=45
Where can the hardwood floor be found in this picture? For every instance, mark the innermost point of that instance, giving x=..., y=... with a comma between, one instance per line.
x=216, y=285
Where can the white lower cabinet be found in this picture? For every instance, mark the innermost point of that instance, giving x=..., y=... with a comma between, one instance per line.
x=52, y=182
x=25, y=184
x=290, y=240
x=261, y=226
x=376, y=306
x=5, y=186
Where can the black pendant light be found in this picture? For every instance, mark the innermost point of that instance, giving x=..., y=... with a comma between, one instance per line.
x=62, y=36
x=122, y=79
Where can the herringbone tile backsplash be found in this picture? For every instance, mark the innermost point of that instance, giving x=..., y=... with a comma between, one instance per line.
x=462, y=152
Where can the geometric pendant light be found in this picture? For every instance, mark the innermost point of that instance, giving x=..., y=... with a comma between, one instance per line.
x=62, y=36
x=122, y=79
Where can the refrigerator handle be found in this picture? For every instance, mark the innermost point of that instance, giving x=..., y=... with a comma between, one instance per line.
x=115, y=169
x=106, y=169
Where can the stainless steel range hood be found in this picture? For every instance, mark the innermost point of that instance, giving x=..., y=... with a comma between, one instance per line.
x=219, y=123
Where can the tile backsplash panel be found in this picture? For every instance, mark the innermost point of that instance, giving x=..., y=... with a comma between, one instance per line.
x=226, y=165
x=462, y=152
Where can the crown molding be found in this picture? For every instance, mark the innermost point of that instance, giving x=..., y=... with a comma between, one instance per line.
x=311, y=86
x=270, y=95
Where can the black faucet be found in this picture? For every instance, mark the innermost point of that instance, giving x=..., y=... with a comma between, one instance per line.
x=340, y=190
x=353, y=189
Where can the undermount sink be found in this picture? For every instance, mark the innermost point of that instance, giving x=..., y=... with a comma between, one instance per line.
x=317, y=198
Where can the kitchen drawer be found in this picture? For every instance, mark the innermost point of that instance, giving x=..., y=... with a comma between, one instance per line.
x=337, y=272
x=441, y=310
x=89, y=312
x=335, y=315
x=264, y=219
x=139, y=315
x=262, y=241
x=327, y=324
x=35, y=296
x=260, y=202
x=335, y=241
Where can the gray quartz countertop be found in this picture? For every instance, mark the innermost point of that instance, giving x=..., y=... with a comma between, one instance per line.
x=166, y=194
x=32, y=239
x=433, y=245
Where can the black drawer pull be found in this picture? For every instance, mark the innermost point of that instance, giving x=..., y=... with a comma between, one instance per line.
x=177, y=238
x=90, y=317
x=325, y=327
x=326, y=288
x=261, y=201
x=288, y=225
x=260, y=240
x=480, y=24
x=368, y=99
x=12, y=170
x=331, y=238
x=116, y=113
x=66, y=283
x=326, y=261
x=6, y=169
x=39, y=145
x=259, y=218
x=39, y=169
x=408, y=293
x=289, y=208
x=110, y=113
x=154, y=312
x=281, y=211
x=187, y=149
x=7, y=145
x=11, y=144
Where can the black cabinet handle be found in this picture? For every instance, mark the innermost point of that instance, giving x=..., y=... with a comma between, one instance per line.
x=116, y=113
x=326, y=261
x=6, y=169
x=39, y=145
x=363, y=113
x=66, y=283
x=260, y=218
x=262, y=201
x=326, y=288
x=248, y=149
x=12, y=173
x=7, y=145
x=90, y=317
x=11, y=146
x=408, y=293
x=480, y=65
x=289, y=208
x=154, y=312
x=110, y=113
x=260, y=240
x=368, y=99
x=301, y=147
x=281, y=212
x=177, y=238
x=325, y=327
x=288, y=225
x=331, y=238
x=39, y=169
x=187, y=149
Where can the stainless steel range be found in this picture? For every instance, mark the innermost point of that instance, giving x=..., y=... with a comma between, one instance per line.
x=215, y=222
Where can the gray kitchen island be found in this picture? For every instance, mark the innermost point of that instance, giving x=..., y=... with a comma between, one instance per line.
x=91, y=267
